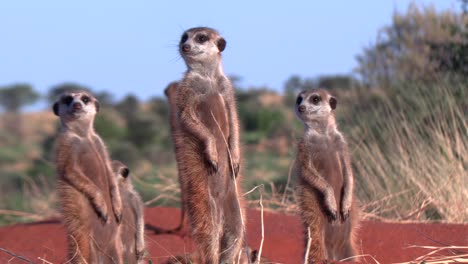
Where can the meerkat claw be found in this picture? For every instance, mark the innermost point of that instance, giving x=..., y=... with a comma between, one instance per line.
x=103, y=217
x=118, y=218
x=236, y=169
x=344, y=215
x=332, y=216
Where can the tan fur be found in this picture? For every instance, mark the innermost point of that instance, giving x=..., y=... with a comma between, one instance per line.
x=133, y=225
x=325, y=191
x=171, y=94
x=87, y=190
x=209, y=129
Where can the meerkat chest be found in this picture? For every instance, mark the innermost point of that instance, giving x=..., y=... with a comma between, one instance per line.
x=92, y=162
x=325, y=156
x=203, y=84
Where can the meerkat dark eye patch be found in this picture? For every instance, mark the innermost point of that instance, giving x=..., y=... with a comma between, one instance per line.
x=333, y=103
x=202, y=38
x=315, y=99
x=85, y=99
x=66, y=100
x=299, y=100
x=184, y=38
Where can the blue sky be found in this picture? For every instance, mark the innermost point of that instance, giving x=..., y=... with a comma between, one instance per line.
x=131, y=46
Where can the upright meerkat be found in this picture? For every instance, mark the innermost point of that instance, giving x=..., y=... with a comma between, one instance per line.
x=133, y=225
x=207, y=149
x=171, y=94
x=87, y=189
x=325, y=179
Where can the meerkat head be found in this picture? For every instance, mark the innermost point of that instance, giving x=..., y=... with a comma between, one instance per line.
x=76, y=105
x=121, y=171
x=201, y=45
x=315, y=104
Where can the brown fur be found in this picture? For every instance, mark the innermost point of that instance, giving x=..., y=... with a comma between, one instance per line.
x=86, y=188
x=171, y=94
x=328, y=210
x=208, y=131
x=132, y=234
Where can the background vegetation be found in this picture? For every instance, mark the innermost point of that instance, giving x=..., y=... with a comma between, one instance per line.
x=403, y=110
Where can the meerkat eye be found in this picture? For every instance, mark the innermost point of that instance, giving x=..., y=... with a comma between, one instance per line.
x=299, y=100
x=184, y=38
x=85, y=99
x=67, y=100
x=202, y=38
x=315, y=99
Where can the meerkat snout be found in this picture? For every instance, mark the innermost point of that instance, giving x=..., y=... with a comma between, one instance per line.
x=186, y=48
x=301, y=108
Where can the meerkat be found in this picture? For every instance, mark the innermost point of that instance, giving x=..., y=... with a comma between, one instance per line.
x=171, y=94
x=87, y=190
x=133, y=225
x=328, y=208
x=207, y=150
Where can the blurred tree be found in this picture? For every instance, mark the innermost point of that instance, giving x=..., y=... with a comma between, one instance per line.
x=142, y=130
x=105, y=99
x=59, y=89
x=464, y=4
x=260, y=113
x=160, y=107
x=294, y=85
x=12, y=99
x=128, y=107
x=334, y=82
x=15, y=96
x=403, y=49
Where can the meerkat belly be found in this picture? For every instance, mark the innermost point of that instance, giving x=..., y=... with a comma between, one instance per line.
x=212, y=112
x=75, y=207
x=329, y=167
x=95, y=168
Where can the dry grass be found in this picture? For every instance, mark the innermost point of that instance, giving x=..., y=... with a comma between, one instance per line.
x=448, y=254
x=418, y=172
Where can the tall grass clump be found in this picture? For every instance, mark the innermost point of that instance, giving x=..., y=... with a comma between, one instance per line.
x=409, y=147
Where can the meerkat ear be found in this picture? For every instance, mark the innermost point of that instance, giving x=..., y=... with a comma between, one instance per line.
x=97, y=105
x=221, y=44
x=333, y=103
x=55, y=107
x=125, y=172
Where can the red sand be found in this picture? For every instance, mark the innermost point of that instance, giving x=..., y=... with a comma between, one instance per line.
x=386, y=242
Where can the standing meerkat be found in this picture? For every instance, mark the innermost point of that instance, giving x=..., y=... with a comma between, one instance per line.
x=87, y=189
x=171, y=94
x=207, y=149
x=133, y=225
x=328, y=209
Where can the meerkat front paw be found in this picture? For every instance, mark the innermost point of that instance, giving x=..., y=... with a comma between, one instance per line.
x=140, y=251
x=345, y=209
x=100, y=207
x=235, y=162
x=117, y=207
x=118, y=215
x=212, y=155
x=330, y=207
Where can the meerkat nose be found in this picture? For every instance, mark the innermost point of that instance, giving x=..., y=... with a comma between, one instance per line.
x=186, y=47
x=77, y=106
x=301, y=108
